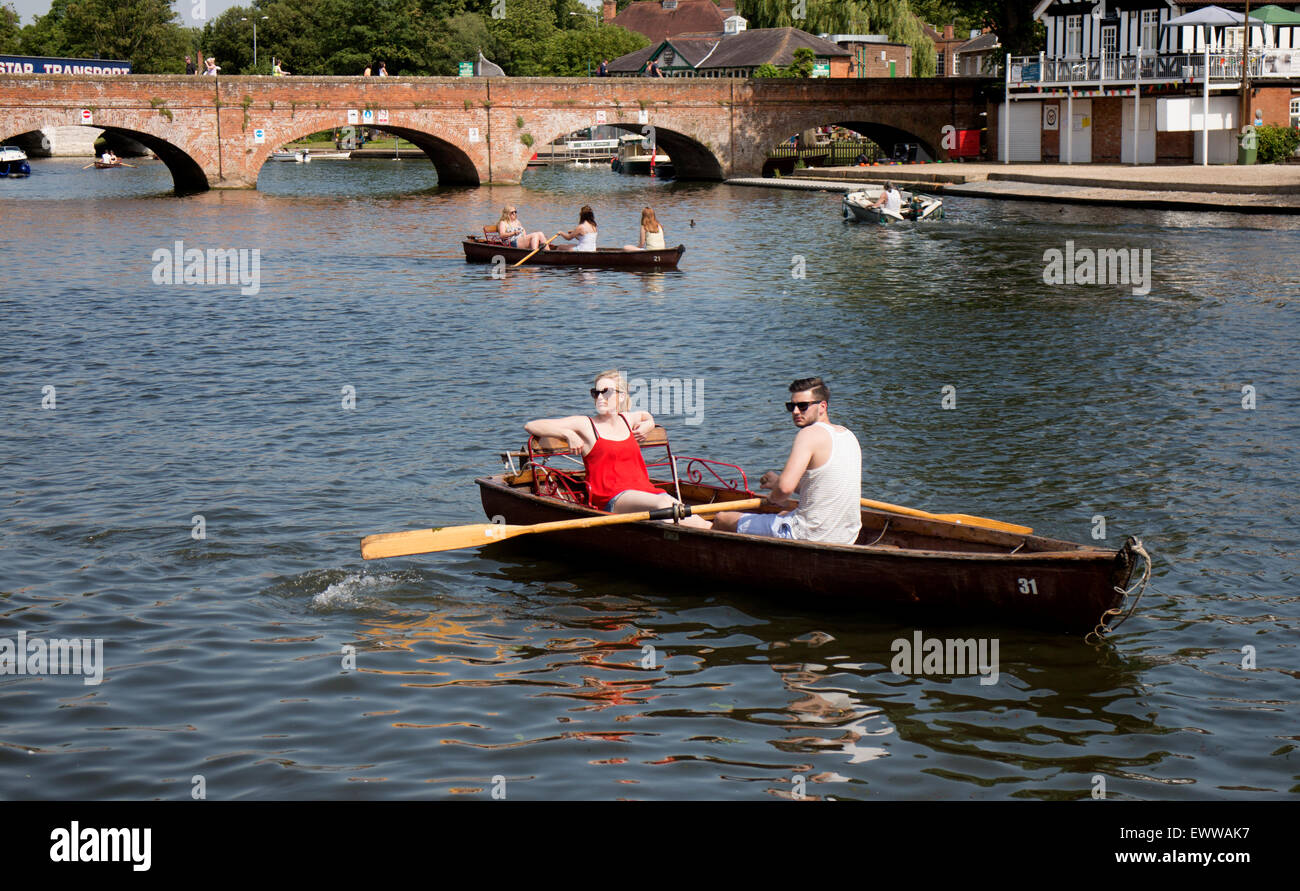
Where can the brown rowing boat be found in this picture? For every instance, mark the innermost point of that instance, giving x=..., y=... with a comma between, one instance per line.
x=480, y=250
x=936, y=571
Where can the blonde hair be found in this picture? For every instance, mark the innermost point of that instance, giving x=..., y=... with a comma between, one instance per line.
x=649, y=222
x=623, y=402
x=505, y=215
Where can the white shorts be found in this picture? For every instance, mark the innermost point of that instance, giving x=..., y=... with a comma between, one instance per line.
x=770, y=525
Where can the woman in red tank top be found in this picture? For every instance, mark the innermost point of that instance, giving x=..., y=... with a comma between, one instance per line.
x=617, y=480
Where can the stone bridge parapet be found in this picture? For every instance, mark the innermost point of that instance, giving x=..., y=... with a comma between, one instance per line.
x=482, y=130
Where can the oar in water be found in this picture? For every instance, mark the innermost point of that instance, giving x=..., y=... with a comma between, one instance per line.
x=124, y=164
x=535, y=250
x=962, y=519
x=451, y=538
x=88, y=166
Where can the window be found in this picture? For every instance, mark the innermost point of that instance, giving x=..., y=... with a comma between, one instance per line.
x=1074, y=36
x=670, y=4
x=1232, y=38
x=938, y=64
x=1150, y=33
x=1295, y=112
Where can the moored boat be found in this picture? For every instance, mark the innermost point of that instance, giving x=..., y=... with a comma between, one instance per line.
x=482, y=250
x=916, y=206
x=13, y=162
x=300, y=156
x=638, y=157
x=929, y=569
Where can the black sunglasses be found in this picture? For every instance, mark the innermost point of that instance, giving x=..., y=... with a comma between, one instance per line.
x=802, y=406
x=607, y=392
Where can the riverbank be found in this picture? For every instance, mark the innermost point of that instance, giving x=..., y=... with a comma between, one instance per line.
x=1263, y=188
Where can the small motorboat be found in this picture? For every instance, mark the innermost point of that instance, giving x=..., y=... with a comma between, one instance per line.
x=916, y=207
x=13, y=162
x=300, y=156
x=330, y=156
x=483, y=250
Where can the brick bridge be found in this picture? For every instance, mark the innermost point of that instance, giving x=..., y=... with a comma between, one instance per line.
x=482, y=130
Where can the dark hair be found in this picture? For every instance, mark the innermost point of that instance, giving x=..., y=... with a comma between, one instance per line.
x=818, y=387
x=587, y=215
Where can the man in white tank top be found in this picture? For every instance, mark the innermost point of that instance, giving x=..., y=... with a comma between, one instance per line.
x=825, y=471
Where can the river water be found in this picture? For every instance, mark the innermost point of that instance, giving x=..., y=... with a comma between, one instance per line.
x=184, y=409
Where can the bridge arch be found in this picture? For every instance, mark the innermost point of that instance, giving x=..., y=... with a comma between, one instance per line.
x=453, y=164
x=883, y=134
x=692, y=159
x=187, y=174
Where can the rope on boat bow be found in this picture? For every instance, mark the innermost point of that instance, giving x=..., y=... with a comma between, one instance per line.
x=1134, y=548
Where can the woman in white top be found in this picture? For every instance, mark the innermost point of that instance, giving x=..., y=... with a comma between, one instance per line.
x=584, y=233
x=652, y=233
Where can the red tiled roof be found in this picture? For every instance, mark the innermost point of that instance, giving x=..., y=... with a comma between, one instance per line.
x=649, y=17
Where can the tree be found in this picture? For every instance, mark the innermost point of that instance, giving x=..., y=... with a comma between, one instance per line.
x=10, y=34
x=893, y=18
x=802, y=66
x=460, y=39
x=524, y=36
x=1012, y=20
x=145, y=32
x=579, y=52
x=44, y=36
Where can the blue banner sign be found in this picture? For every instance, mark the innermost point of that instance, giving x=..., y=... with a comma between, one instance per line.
x=49, y=65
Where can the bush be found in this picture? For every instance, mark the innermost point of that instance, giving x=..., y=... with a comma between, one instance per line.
x=1276, y=144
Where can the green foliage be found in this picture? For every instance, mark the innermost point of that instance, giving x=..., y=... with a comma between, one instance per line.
x=892, y=18
x=574, y=53
x=802, y=66
x=145, y=32
x=938, y=13
x=527, y=139
x=1276, y=144
x=1012, y=20
x=10, y=34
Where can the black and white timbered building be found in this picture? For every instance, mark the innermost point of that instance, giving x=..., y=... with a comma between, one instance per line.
x=1075, y=101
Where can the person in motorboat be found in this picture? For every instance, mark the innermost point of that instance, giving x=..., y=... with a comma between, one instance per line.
x=824, y=469
x=617, y=479
x=890, y=200
x=513, y=234
x=584, y=233
x=652, y=233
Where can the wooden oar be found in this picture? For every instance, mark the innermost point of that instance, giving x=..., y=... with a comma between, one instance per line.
x=451, y=538
x=88, y=166
x=124, y=164
x=961, y=519
x=535, y=250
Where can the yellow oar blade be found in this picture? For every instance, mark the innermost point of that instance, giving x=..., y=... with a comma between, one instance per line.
x=963, y=519
x=426, y=541
x=984, y=522
x=450, y=538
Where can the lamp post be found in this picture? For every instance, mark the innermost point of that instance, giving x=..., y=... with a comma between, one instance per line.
x=264, y=18
x=586, y=12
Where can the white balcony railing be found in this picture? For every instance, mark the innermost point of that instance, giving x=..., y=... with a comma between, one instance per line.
x=1224, y=66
